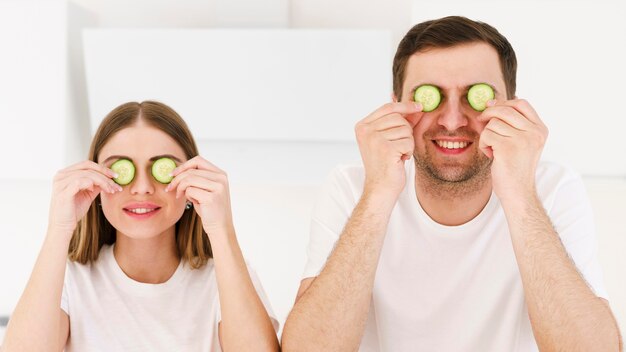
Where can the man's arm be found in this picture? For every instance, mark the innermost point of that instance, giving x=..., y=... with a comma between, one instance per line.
x=564, y=313
x=330, y=314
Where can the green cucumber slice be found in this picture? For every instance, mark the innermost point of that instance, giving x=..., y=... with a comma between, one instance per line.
x=161, y=170
x=478, y=96
x=429, y=96
x=125, y=170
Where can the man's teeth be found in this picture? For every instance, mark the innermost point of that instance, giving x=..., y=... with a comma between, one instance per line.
x=452, y=145
x=141, y=210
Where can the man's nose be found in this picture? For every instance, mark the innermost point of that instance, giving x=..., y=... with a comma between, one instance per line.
x=452, y=115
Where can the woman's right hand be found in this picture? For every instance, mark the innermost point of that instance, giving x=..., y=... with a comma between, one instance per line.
x=74, y=189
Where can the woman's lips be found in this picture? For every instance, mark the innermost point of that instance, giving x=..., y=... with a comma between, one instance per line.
x=141, y=213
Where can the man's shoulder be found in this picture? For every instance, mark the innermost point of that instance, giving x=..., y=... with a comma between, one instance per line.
x=552, y=177
x=347, y=175
x=551, y=173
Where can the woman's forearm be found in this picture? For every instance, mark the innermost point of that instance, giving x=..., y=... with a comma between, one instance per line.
x=245, y=323
x=35, y=323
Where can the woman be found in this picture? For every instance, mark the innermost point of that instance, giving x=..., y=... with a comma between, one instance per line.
x=152, y=266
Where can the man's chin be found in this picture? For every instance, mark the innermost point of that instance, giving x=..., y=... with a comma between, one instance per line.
x=456, y=173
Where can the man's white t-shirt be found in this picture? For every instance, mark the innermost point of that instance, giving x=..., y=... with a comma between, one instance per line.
x=453, y=288
x=111, y=312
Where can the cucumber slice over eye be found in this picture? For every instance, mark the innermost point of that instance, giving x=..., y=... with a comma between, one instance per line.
x=125, y=170
x=429, y=96
x=478, y=96
x=161, y=170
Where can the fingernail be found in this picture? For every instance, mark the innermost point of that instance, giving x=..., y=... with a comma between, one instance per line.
x=491, y=103
x=418, y=106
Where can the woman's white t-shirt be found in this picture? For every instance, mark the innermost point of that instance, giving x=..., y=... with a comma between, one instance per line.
x=111, y=312
x=453, y=288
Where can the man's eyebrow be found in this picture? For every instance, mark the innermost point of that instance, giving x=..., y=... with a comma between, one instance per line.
x=156, y=157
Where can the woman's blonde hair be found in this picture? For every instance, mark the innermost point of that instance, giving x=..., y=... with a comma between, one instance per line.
x=94, y=230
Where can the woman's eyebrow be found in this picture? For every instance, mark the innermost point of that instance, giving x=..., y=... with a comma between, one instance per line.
x=156, y=157
x=116, y=157
x=165, y=156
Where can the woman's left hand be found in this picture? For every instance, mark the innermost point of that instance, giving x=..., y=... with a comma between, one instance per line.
x=206, y=186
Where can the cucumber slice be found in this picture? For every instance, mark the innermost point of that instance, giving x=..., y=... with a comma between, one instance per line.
x=478, y=96
x=161, y=170
x=429, y=96
x=125, y=170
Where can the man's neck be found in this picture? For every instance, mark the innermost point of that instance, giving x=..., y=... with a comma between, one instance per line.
x=452, y=203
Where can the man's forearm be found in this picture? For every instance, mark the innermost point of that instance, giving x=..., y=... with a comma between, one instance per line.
x=564, y=312
x=331, y=314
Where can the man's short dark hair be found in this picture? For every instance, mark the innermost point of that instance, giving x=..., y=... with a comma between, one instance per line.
x=447, y=32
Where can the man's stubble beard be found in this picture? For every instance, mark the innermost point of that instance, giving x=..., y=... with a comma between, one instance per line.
x=452, y=180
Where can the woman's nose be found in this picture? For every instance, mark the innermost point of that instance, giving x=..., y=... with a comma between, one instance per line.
x=143, y=183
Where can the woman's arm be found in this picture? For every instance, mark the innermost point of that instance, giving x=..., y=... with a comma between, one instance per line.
x=38, y=322
x=245, y=323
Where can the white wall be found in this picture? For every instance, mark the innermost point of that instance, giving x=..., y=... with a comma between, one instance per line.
x=32, y=86
x=271, y=209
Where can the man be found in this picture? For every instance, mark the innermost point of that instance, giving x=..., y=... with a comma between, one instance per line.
x=452, y=236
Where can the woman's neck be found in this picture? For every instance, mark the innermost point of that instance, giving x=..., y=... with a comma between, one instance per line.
x=151, y=260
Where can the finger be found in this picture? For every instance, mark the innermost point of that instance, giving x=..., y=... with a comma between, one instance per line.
x=507, y=114
x=198, y=182
x=500, y=127
x=96, y=178
x=389, y=122
x=397, y=133
x=404, y=108
x=414, y=119
x=196, y=162
x=211, y=175
x=86, y=183
x=524, y=108
x=89, y=165
x=195, y=195
x=489, y=142
x=405, y=147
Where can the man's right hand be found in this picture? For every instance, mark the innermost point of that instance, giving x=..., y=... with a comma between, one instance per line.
x=385, y=139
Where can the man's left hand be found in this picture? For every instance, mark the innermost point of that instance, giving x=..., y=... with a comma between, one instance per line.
x=514, y=137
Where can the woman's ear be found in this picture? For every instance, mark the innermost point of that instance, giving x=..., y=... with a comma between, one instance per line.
x=393, y=97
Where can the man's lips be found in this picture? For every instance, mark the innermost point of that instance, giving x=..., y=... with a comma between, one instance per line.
x=452, y=146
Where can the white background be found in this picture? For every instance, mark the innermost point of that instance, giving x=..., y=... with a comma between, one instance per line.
x=571, y=68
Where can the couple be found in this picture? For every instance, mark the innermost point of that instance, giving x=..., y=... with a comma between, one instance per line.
x=451, y=236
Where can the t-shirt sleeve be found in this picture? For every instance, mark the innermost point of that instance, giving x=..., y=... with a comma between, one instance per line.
x=572, y=217
x=330, y=215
